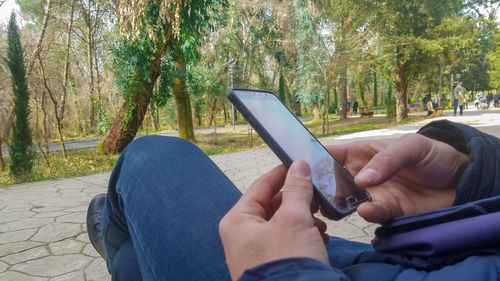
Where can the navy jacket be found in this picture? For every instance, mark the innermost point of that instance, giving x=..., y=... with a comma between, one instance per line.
x=415, y=247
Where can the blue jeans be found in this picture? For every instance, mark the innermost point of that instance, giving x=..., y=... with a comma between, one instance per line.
x=455, y=106
x=164, y=203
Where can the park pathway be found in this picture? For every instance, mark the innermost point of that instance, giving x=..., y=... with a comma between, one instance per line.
x=42, y=224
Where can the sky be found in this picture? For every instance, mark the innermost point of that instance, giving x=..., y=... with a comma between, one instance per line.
x=6, y=9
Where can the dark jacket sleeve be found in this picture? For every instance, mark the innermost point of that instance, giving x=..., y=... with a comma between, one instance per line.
x=294, y=269
x=481, y=178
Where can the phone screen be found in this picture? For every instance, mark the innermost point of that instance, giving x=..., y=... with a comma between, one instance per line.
x=329, y=177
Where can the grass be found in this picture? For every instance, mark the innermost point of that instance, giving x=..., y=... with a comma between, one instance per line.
x=79, y=163
x=86, y=162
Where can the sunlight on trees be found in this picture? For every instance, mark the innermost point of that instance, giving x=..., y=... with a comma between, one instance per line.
x=116, y=67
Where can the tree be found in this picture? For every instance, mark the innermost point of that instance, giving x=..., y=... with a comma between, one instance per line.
x=494, y=58
x=406, y=27
x=20, y=146
x=348, y=23
x=310, y=83
x=159, y=38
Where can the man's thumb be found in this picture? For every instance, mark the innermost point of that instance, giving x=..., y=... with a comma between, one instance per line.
x=298, y=191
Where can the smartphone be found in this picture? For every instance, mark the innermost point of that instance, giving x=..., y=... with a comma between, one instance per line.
x=334, y=187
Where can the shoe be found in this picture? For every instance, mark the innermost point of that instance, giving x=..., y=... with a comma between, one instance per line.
x=94, y=223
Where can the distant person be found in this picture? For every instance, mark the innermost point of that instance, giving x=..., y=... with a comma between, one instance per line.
x=427, y=101
x=355, y=107
x=496, y=98
x=459, y=99
x=348, y=106
x=489, y=98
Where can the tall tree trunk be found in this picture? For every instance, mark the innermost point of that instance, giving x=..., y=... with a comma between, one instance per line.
x=2, y=162
x=211, y=112
x=4, y=136
x=401, y=88
x=326, y=107
x=123, y=131
x=316, y=113
x=90, y=63
x=343, y=91
x=182, y=102
x=197, y=114
x=38, y=47
x=296, y=108
x=440, y=79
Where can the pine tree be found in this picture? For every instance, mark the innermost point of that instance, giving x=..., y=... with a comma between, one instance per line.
x=20, y=146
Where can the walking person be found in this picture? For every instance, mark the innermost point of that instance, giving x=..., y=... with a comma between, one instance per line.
x=496, y=98
x=489, y=98
x=460, y=99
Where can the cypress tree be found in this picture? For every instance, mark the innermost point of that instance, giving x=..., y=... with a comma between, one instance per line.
x=20, y=146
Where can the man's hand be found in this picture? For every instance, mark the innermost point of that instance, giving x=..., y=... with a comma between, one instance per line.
x=266, y=224
x=404, y=176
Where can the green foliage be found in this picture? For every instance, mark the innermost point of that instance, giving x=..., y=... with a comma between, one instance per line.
x=104, y=120
x=390, y=101
x=281, y=88
x=134, y=57
x=312, y=54
x=494, y=59
x=79, y=163
x=20, y=146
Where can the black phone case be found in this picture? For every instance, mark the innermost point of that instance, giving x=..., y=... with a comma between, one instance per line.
x=330, y=211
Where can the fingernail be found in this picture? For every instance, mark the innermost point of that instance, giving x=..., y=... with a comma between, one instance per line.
x=300, y=169
x=367, y=175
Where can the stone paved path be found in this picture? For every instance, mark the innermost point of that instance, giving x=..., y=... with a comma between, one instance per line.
x=42, y=224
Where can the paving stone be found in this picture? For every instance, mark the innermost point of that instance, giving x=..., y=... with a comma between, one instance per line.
x=30, y=193
x=370, y=230
x=81, y=208
x=35, y=253
x=68, y=246
x=50, y=215
x=16, y=276
x=60, y=202
x=47, y=209
x=72, y=276
x=84, y=237
x=53, y=266
x=89, y=250
x=343, y=229
x=71, y=193
x=17, y=207
x=17, y=247
x=10, y=216
x=16, y=236
x=358, y=221
x=97, y=271
x=364, y=239
x=25, y=224
x=3, y=266
x=76, y=217
x=56, y=232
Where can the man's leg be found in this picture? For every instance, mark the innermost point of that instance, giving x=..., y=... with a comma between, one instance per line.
x=167, y=198
x=455, y=106
x=337, y=248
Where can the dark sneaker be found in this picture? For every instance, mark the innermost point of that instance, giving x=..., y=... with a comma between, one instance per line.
x=94, y=223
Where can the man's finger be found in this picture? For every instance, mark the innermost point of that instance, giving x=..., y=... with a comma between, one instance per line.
x=264, y=188
x=298, y=191
x=391, y=160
